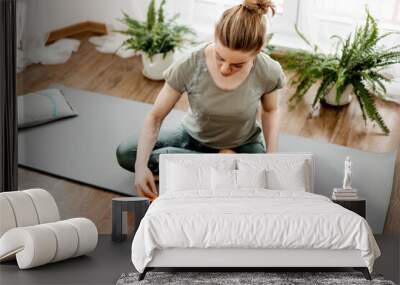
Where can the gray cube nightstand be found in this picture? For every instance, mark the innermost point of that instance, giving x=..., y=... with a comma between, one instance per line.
x=358, y=206
x=120, y=207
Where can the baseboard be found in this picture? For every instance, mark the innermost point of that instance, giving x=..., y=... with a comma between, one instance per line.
x=82, y=27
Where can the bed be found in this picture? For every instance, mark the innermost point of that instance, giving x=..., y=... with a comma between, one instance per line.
x=244, y=211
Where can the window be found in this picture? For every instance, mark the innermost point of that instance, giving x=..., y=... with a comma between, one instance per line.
x=317, y=19
x=203, y=14
x=321, y=19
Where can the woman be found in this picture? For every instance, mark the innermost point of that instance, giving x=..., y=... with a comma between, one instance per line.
x=225, y=81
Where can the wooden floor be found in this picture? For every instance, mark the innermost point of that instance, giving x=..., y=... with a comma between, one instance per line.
x=90, y=70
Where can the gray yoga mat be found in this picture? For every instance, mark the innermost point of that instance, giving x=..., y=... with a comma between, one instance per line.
x=83, y=149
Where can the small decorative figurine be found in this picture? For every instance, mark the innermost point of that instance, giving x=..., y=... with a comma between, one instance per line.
x=347, y=174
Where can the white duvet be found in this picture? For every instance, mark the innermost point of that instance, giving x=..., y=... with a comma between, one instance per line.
x=253, y=218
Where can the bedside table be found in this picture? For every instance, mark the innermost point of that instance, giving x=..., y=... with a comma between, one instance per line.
x=120, y=208
x=358, y=206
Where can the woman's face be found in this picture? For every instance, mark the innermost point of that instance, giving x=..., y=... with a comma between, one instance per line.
x=230, y=61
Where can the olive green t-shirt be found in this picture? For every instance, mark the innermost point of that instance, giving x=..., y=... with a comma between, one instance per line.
x=221, y=118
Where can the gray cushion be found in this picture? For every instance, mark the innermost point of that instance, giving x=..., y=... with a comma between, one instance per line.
x=42, y=107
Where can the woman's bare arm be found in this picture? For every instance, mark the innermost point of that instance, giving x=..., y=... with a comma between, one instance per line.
x=270, y=120
x=144, y=180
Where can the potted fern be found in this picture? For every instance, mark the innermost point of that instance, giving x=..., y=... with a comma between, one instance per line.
x=353, y=69
x=156, y=38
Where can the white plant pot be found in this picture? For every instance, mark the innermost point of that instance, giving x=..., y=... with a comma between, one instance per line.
x=345, y=98
x=154, y=68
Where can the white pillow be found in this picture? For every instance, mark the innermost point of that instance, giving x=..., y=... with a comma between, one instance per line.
x=293, y=179
x=223, y=179
x=228, y=179
x=282, y=174
x=251, y=178
x=189, y=174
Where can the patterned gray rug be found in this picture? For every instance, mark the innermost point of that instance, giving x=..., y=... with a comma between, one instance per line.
x=243, y=278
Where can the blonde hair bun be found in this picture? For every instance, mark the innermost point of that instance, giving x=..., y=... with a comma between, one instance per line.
x=260, y=7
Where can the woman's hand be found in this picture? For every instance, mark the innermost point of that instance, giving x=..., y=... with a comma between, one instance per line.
x=144, y=183
x=144, y=179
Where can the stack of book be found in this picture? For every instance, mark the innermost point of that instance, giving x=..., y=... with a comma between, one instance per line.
x=344, y=194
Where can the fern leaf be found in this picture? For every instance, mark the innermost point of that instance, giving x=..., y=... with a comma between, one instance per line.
x=151, y=15
x=369, y=106
x=323, y=89
x=160, y=17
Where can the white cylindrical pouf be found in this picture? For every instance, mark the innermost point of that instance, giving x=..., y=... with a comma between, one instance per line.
x=31, y=232
x=23, y=208
x=40, y=244
x=67, y=240
x=33, y=246
x=7, y=218
x=45, y=205
x=87, y=233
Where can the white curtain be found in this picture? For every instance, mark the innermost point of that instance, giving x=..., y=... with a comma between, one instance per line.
x=139, y=8
x=320, y=19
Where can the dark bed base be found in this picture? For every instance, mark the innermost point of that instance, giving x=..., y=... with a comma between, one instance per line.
x=364, y=270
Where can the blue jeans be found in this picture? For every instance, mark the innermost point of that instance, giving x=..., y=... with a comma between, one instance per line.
x=176, y=141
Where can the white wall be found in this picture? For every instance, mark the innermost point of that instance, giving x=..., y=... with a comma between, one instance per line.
x=44, y=16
